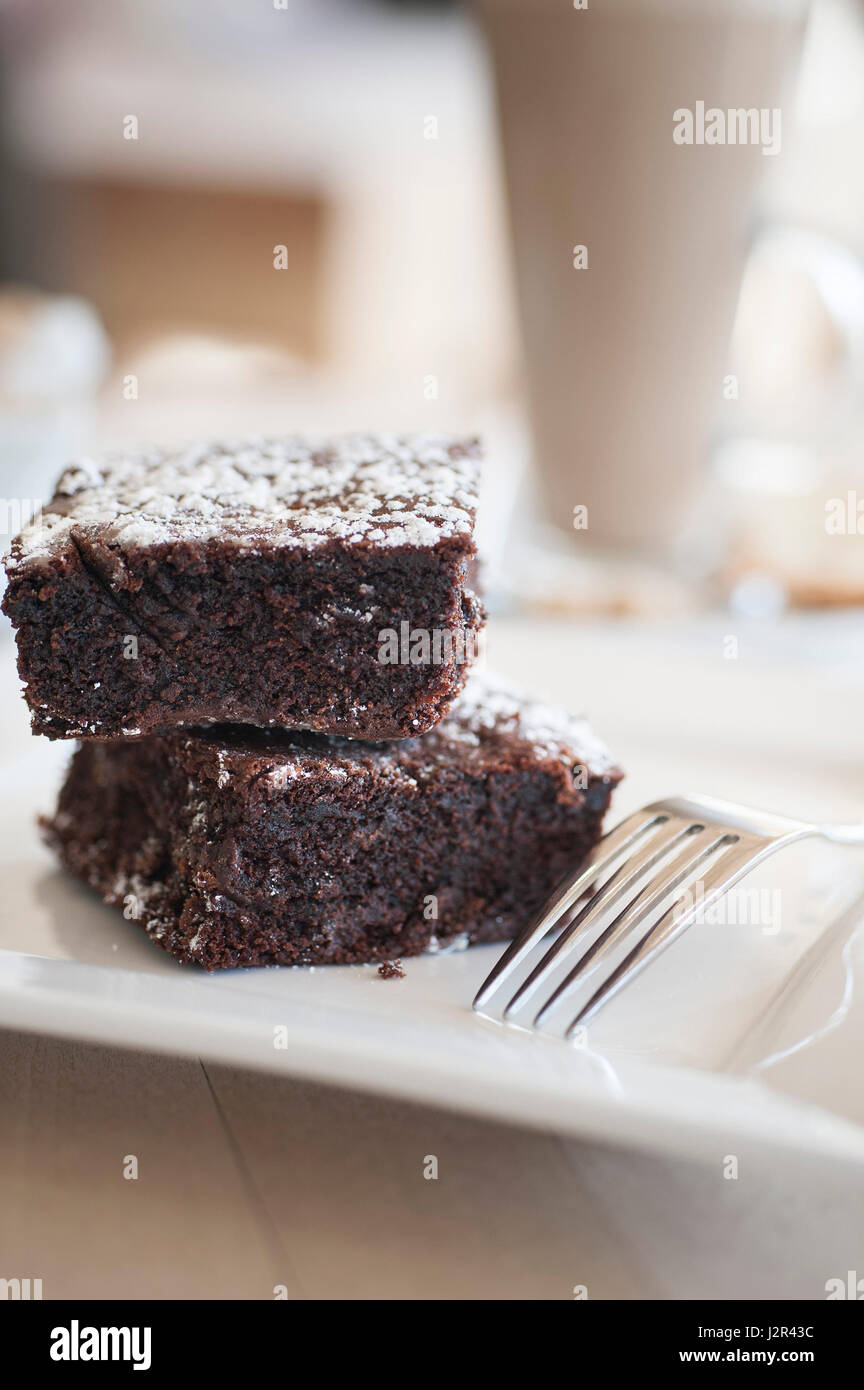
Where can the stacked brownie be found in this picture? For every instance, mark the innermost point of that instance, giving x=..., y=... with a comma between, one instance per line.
x=264, y=650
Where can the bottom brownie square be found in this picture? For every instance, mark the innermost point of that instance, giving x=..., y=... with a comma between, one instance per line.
x=234, y=846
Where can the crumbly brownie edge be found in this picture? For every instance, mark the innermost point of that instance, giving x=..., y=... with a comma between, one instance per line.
x=106, y=834
x=112, y=646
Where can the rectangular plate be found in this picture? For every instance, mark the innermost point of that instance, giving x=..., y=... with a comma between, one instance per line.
x=747, y=1032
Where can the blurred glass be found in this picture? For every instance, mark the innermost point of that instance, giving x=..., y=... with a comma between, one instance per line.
x=790, y=457
x=629, y=247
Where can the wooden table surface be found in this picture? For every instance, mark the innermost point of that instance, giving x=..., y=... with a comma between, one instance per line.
x=247, y=1182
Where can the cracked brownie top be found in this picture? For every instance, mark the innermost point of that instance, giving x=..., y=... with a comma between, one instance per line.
x=385, y=490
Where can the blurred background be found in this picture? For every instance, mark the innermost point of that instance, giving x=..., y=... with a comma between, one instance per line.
x=226, y=216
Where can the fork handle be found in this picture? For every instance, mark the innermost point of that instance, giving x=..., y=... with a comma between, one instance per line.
x=842, y=834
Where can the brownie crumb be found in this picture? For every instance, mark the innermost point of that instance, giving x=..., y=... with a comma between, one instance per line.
x=391, y=970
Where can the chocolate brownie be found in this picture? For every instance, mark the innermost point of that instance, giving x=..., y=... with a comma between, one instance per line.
x=324, y=587
x=236, y=846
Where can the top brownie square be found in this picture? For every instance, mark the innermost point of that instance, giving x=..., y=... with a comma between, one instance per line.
x=327, y=587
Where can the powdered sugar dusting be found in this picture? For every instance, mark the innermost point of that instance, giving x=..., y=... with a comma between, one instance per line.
x=388, y=490
x=490, y=706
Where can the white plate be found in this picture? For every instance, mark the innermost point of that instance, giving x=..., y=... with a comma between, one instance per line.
x=746, y=1034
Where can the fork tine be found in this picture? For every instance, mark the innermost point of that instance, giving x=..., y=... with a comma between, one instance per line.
x=634, y=868
x=727, y=870
x=664, y=882
x=608, y=849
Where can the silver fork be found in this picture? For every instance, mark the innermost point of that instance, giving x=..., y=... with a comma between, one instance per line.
x=630, y=874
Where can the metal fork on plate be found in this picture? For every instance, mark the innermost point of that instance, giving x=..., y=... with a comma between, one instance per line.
x=628, y=877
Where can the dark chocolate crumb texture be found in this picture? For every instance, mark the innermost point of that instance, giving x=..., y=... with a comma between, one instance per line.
x=322, y=587
x=239, y=847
